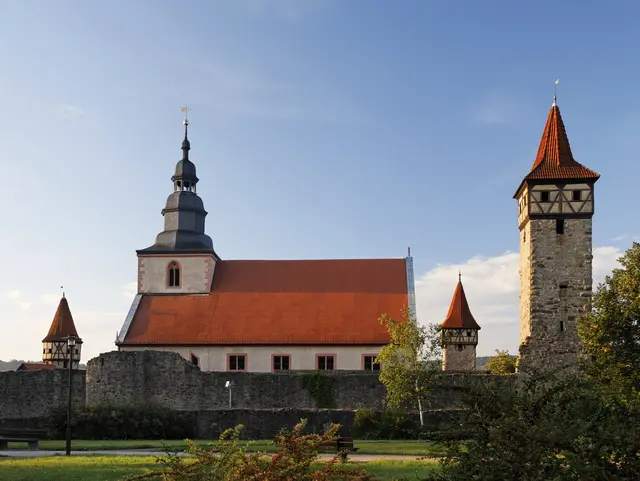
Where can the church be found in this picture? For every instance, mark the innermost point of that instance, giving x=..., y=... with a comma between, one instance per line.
x=257, y=315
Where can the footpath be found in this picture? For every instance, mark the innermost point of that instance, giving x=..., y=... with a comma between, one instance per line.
x=355, y=458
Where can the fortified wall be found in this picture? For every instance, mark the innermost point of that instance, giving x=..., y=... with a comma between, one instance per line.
x=263, y=402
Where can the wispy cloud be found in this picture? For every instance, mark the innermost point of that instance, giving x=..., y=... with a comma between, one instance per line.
x=13, y=294
x=491, y=285
x=70, y=111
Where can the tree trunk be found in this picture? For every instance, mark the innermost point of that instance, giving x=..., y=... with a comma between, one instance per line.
x=420, y=411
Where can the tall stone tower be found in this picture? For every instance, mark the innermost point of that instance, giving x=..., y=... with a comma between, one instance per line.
x=55, y=348
x=182, y=260
x=459, y=334
x=555, y=209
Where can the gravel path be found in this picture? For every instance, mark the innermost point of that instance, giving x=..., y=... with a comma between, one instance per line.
x=13, y=453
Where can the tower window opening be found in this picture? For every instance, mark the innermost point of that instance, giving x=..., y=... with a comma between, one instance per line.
x=460, y=347
x=577, y=195
x=561, y=326
x=174, y=274
x=559, y=226
x=544, y=196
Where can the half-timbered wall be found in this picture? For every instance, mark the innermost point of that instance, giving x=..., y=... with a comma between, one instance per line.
x=58, y=353
x=555, y=200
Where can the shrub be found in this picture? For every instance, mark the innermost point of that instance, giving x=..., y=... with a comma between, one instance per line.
x=227, y=461
x=118, y=422
x=388, y=424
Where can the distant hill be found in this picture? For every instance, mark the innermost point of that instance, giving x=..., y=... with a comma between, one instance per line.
x=481, y=361
x=13, y=364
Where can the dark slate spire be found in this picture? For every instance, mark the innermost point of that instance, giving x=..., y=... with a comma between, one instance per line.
x=184, y=212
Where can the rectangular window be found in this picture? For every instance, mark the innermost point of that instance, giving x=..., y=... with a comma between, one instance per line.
x=577, y=195
x=560, y=226
x=544, y=196
x=326, y=363
x=237, y=362
x=281, y=363
x=370, y=363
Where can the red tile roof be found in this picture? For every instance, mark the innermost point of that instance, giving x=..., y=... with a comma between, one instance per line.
x=35, y=366
x=459, y=315
x=62, y=325
x=554, y=160
x=279, y=302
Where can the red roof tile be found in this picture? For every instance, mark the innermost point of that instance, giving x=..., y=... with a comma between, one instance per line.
x=459, y=315
x=62, y=325
x=279, y=302
x=554, y=160
x=35, y=366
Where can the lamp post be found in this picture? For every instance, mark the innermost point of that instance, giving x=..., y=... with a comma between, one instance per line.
x=71, y=342
x=229, y=385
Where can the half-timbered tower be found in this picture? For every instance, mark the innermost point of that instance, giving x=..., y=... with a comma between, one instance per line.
x=459, y=334
x=55, y=348
x=555, y=209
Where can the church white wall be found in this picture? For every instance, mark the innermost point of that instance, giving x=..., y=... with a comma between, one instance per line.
x=259, y=358
x=196, y=274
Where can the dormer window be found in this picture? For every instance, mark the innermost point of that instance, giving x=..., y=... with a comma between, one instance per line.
x=174, y=274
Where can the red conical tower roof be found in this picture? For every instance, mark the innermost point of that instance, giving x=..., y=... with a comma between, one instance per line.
x=459, y=315
x=62, y=325
x=554, y=160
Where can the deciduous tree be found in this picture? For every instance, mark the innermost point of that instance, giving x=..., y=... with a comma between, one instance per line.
x=410, y=363
x=501, y=363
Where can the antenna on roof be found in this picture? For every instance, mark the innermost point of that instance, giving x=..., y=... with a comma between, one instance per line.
x=555, y=91
x=408, y=251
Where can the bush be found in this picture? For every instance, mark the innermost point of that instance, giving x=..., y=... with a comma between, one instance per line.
x=389, y=424
x=118, y=422
x=226, y=460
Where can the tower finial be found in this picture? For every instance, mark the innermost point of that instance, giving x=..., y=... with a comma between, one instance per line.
x=408, y=251
x=459, y=276
x=555, y=91
x=186, y=146
x=62, y=287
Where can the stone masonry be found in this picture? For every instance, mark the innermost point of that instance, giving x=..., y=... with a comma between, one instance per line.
x=456, y=359
x=555, y=289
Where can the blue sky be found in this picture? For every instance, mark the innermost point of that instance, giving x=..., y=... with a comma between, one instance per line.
x=320, y=129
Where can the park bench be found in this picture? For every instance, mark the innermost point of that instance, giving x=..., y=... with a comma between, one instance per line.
x=339, y=445
x=29, y=436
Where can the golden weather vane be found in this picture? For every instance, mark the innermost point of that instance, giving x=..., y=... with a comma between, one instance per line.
x=186, y=111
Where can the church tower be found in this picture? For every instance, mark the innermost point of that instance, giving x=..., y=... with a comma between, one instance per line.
x=182, y=260
x=555, y=210
x=459, y=334
x=55, y=347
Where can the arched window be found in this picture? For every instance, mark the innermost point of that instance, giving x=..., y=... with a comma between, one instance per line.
x=174, y=274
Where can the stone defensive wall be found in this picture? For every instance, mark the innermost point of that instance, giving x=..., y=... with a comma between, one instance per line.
x=263, y=402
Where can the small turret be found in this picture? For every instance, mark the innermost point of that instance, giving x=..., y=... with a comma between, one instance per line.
x=459, y=334
x=55, y=346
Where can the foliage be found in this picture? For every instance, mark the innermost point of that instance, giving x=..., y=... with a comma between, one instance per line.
x=118, y=422
x=320, y=386
x=611, y=332
x=501, y=363
x=543, y=428
x=410, y=363
x=388, y=424
x=227, y=460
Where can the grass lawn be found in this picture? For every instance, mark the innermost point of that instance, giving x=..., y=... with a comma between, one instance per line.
x=417, y=448
x=105, y=468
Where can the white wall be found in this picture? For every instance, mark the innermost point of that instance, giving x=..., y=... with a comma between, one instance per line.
x=196, y=274
x=214, y=358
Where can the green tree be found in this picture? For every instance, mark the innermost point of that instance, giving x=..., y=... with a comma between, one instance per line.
x=410, y=363
x=611, y=331
x=501, y=363
x=541, y=428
